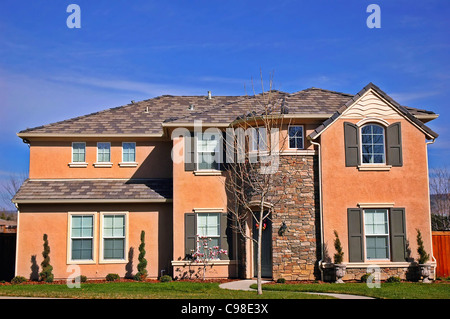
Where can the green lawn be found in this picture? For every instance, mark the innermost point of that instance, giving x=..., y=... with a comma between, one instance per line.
x=198, y=290
x=404, y=290
x=135, y=290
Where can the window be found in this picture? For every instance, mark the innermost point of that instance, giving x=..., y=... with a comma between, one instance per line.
x=104, y=152
x=258, y=139
x=208, y=148
x=129, y=152
x=82, y=237
x=114, y=237
x=78, y=152
x=372, y=141
x=376, y=233
x=296, y=137
x=208, y=225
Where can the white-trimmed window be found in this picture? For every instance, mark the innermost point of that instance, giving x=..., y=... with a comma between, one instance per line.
x=376, y=230
x=208, y=225
x=78, y=152
x=258, y=139
x=208, y=148
x=103, y=152
x=373, y=144
x=114, y=238
x=128, y=152
x=296, y=139
x=81, y=237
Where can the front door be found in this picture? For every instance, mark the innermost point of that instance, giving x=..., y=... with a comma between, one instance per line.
x=266, y=249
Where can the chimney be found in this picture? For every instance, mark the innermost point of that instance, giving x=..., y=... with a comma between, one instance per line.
x=209, y=95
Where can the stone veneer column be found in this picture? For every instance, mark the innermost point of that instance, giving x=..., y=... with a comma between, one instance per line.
x=296, y=253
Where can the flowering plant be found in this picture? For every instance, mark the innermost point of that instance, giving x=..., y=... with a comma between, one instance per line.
x=204, y=253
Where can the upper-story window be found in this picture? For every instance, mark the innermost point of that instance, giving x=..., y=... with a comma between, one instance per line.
x=296, y=137
x=207, y=148
x=373, y=146
x=128, y=152
x=78, y=152
x=103, y=152
x=258, y=139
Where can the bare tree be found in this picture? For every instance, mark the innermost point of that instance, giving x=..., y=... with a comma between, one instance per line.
x=440, y=198
x=8, y=188
x=253, y=143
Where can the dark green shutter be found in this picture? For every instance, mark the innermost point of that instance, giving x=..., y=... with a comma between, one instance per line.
x=351, y=140
x=190, y=236
x=223, y=159
x=394, y=144
x=189, y=152
x=397, y=234
x=224, y=235
x=355, y=235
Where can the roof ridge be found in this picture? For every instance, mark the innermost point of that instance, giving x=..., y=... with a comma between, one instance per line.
x=324, y=90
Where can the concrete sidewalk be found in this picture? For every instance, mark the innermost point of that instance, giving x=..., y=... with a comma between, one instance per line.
x=245, y=285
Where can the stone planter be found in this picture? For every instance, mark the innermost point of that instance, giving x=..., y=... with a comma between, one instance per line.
x=425, y=271
x=340, y=272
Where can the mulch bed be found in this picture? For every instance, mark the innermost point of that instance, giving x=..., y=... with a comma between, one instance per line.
x=102, y=281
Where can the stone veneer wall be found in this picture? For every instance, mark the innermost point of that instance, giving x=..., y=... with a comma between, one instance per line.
x=296, y=253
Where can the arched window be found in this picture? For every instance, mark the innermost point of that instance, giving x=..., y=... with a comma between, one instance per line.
x=373, y=144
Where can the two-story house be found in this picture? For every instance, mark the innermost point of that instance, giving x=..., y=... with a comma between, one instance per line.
x=96, y=181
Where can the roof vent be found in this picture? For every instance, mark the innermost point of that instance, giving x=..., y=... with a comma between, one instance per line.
x=146, y=109
x=191, y=107
x=209, y=95
x=132, y=101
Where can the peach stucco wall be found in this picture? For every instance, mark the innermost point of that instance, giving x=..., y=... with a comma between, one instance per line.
x=36, y=220
x=50, y=159
x=345, y=187
x=191, y=192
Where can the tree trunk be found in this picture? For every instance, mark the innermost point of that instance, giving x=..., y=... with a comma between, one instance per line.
x=260, y=229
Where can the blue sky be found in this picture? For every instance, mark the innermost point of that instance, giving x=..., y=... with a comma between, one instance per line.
x=134, y=50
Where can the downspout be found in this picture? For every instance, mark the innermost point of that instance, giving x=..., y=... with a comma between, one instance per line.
x=429, y=210
x=17, y=239
x=320, y=207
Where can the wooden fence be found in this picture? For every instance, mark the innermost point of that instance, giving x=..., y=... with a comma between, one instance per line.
x=441, y=251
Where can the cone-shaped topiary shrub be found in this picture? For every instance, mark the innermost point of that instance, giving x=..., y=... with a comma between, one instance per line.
x=142, y=266
x=46, y=273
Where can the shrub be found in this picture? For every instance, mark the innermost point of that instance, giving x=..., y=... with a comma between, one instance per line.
x=83, y=278
x=364, y=277
x=142, y=266
x=165, y=278
x=423, y=256
x=339, y=256
x=46, y=273
x=281, y=280
x=393, y=279
x=112, y=277
x=18, y=280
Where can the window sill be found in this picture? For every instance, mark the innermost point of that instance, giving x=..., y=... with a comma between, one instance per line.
x=81, y=262
x=374, y=167
x=128, y=164
x=113, y=261
x=80, y=164
x=208, y=173
x=105, y=164
x=298, y=152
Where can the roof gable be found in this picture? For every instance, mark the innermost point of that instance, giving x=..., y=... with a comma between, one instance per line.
x=371, y=101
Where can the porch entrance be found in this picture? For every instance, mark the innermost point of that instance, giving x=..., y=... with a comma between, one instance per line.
x=266, y=249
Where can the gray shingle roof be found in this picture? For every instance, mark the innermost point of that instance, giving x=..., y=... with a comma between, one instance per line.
x=147, y=117
x=95, y=190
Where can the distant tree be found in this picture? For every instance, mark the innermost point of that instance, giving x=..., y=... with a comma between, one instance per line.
x=46, y=273
x=8, y=188
x=440, y=198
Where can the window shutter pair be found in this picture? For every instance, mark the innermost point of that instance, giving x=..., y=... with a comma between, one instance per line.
x=397, y=234
x=393, y=145
x=190, y=230
x=190, y=149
